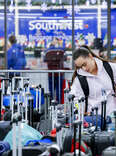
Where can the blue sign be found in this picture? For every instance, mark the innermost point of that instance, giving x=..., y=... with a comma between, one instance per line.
x=38, y=28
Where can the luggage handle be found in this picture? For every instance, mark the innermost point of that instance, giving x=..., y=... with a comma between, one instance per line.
x=54, y=104
x=6, y=79
x=66, y=90
x=77, y=124
x=30, y=100
x=81, y=104
x=71, y=97
x=59, y=135
x=66, y=93
x=96, y=111
x=17, y=120
x=103, y=111
x=71, y=109
x=46, y=105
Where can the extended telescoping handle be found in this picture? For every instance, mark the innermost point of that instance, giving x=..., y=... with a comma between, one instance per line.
x=30, y=102
x=5, y=79
x=46, y=104
x=54, y=104
x=13, y=101
x=103, y=115
x=81, y=102
x=19, y=98
x=14, y=79
x=3, y=84
x=71, y=110
x=66, y=92
x=26, y=86
x=16, y=120
x=40, y=94
x=3, y=90
x=26, y=107
x=37, y=90
x=96, y=109
x=103, y=110
x=71, y=97
x=96, y=114
x=92, y=113
x=59, y=135
x=77, y=124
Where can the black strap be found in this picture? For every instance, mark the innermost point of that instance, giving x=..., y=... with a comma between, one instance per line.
x=85, y=88
x=110, y=73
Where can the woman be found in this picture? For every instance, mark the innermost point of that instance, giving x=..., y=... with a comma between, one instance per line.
x=100, y=84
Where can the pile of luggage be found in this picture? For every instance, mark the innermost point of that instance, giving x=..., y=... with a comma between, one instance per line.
x=33, y=124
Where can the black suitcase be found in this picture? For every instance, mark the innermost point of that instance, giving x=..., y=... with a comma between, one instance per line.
x=102, y=140
x=98, y=140
x=78, y=152
x=29, y=151
x=45, y=124
x=111, y=151
x=5, y=127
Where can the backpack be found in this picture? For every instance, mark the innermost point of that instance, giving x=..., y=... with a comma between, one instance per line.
x=85, y=86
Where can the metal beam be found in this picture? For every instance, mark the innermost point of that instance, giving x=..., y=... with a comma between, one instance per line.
x=5, y=33
x=109, y=29
x=73, y=31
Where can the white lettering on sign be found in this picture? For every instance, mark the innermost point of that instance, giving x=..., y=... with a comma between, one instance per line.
x=55, y=24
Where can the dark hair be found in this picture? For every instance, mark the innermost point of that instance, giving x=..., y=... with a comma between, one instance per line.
x=12, y=39
x=83, y=51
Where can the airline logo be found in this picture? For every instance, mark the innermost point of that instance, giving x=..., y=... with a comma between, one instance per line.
x=55, y=25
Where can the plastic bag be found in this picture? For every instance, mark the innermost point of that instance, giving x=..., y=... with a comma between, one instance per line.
x=27, y=133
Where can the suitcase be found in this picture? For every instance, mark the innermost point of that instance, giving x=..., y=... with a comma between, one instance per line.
x=77, y=123
x=66, y=93
x=46, y=124
x=71, y=145
x=111, y=151
x=5, y=84
x=29, y=151
x=98, y=140
x=79, y=151
x=103, y=139
x=5, y=127
x=38, y=94
x=68, y=143
x=30, y=111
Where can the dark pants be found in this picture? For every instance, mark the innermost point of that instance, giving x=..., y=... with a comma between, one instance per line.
x=57, y=83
